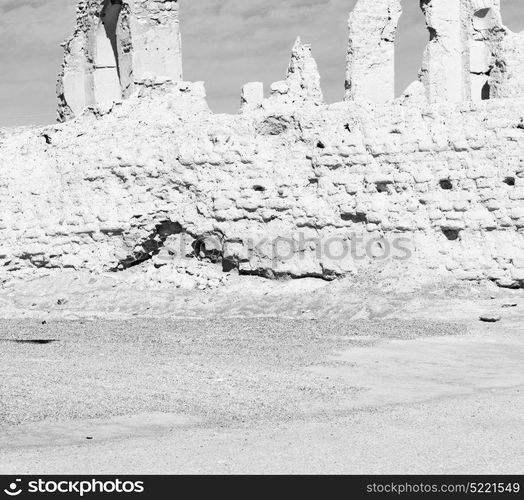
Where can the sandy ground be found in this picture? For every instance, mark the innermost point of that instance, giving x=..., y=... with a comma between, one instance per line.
x=320, y=378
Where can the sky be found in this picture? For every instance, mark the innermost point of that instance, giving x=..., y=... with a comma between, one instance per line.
x=226, y=43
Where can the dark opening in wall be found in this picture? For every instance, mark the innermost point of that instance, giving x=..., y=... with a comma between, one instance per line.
x=382, y=187
x=446, y=184
x=357, y=218
x=259, y=189
x=208, y=247
x=510, y=181
x=486, y=92
x=451, y=234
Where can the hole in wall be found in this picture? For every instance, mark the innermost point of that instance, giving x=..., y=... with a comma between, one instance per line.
x=486, y=92
x=446, y=184
x=208, y=248
x=259, y=189
x=382, y=187
x=357, y=218
x=510, y=181
x=451, y=234
x=229, y=265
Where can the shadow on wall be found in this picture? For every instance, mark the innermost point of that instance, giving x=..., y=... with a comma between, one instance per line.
x=109, y=22
x=107, y=72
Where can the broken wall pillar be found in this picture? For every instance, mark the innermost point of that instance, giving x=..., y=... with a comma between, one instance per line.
x=443, y=70
x=500, y=68
x=370, y=74
x=156, y=41
x=72, y=87
x=484, y=31
x=116, y=45
x=506, y=79
x=252, y=95
x=303, y=77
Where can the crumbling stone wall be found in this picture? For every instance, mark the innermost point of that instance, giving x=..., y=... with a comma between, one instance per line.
x=116, y=45
x=94, y=193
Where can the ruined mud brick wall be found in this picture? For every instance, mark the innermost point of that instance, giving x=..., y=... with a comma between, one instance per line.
x=450, y=180
x=160, y=177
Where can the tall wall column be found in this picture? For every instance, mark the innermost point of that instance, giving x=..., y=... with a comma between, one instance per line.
x=154, y=28
x=370, y=75
x=117, y=44
x=444, y=67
